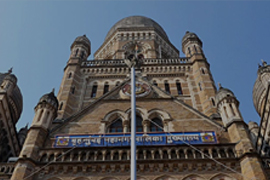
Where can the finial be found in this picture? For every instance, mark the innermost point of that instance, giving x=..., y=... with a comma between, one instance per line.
x=263, y=62
x=259, y=65
x=10, y=70
x=219, y=85
x=26, y=125
x=53, y=90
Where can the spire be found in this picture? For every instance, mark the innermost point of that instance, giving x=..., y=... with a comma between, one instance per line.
x=10, y=70
x=219, y=85
x=264, y=63
x=53, y=90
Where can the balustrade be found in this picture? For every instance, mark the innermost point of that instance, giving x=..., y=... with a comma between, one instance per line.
x=158, y=153
x=121, y=62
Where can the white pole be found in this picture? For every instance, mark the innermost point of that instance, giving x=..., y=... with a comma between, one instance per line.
x=133, y=125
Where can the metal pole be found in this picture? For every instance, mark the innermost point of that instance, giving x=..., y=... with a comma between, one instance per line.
x=133, y=125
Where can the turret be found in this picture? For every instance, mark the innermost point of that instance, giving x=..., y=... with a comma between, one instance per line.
x=205, y=85
x=45, y=112
x=69, y=91
x=192, y=45
x=22, y=134
x=239, y=134
x=227, y=105
x=80, y=48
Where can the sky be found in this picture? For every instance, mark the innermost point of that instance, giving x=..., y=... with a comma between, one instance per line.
x=35, y=39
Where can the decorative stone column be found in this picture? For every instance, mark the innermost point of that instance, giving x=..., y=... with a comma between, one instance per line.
x=126, y=126
x=146, y=125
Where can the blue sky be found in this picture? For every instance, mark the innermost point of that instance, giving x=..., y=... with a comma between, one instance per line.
x=35, y=37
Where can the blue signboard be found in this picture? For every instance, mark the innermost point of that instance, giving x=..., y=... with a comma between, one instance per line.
x=105, y=140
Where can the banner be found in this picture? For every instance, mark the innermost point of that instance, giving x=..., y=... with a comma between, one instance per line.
x=150, y=139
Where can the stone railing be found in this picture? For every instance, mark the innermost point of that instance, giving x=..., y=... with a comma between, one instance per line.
x=143, y=153
x=121, y=62
x=158, y=159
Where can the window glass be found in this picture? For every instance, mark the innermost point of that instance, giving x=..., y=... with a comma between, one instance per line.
x=179, y=88
x=156, y=125
x=94, y=91
x=167, y=87
x=116, y=126
x=139, y=126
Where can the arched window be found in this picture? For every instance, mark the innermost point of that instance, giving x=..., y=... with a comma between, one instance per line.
x=200, y=86
x=156, y=125
x=106, y=88
x=213, y=102
x=69, y=75
x=76, y=53
x=61, y=105
x=116, y=126
x=155, y=83
x=167, y=87
x=179, y=88
x=195, y=49
x=40, y=114
x=139, y=125
x=203, y=71
x=225, y=111
x=232, y=109
x=117, y=83
x=73, y=90
x=189, y=52
x=94, y=91
x=82, y=54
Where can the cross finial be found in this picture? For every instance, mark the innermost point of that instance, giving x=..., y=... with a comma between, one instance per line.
x=263, y=62
x=10, y=70
x=219, y=85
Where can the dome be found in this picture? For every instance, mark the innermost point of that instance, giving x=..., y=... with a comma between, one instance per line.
x=11, y=77
x=15, y=100
x=191, y=36
x=50, y=99
x=138, y=22
x=82, y=40
x=258, y=95
x=222, y=93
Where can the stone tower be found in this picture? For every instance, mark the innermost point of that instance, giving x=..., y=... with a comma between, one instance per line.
x=72, y=84
x=45, y=113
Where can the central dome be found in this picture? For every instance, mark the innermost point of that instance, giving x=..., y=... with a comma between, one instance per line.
x=138, y=22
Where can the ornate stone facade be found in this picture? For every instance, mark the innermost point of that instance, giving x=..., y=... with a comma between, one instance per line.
x=176, y=98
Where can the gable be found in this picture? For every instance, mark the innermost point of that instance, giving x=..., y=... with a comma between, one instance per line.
x=155, y=103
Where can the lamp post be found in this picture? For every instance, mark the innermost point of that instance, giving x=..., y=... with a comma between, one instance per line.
x=133, y=62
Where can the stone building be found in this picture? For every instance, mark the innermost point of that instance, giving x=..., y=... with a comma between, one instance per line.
x=187, y=129
x=11, y=100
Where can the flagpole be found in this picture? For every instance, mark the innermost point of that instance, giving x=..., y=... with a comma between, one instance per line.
x=133, y=168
